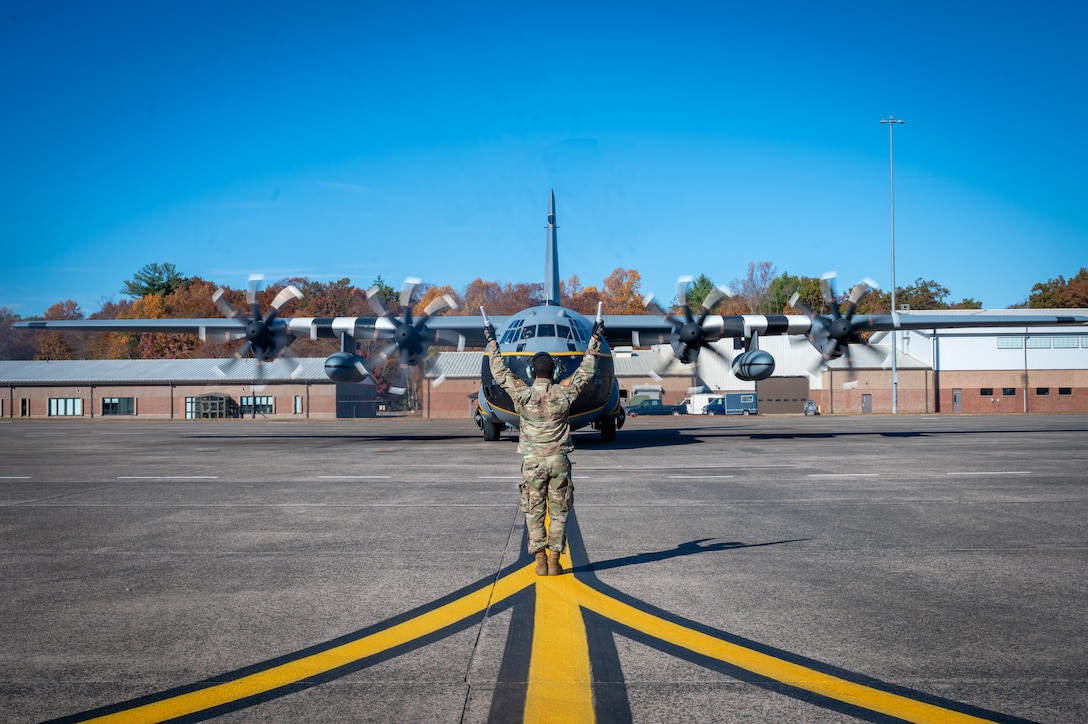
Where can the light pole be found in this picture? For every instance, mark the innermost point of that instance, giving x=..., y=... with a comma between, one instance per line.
x=892, y=121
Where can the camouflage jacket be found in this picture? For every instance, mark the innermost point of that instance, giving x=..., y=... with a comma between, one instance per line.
x=544, y=405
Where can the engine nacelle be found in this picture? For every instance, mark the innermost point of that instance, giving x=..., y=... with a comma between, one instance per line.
x=753, y=365
x=346, y=367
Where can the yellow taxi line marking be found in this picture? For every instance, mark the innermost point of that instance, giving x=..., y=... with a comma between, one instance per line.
x=324, y=661
x=560, y=682
x=792, y=674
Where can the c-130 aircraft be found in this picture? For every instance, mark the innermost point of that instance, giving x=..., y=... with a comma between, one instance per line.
x=546, y=327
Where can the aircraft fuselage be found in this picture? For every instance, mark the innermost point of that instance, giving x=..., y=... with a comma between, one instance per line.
x=564, y=334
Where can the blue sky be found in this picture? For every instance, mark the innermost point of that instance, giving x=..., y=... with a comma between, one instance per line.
x=335, y=139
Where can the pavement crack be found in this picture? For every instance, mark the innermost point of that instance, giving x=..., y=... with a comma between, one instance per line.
x=513, y=544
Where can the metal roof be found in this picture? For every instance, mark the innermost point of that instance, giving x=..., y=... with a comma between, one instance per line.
x=455, y=365
x=466, y=365
x=308, y=369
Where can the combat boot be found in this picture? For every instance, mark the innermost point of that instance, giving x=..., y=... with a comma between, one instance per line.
x=542, y=563
x=554, y=569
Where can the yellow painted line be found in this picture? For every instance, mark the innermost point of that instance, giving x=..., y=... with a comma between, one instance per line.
x=316, y=664
x=560, y=683
x=793, y=674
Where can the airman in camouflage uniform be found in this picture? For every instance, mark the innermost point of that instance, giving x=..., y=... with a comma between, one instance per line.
x=544, y=442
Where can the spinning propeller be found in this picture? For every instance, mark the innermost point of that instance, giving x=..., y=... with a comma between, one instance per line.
x=409, y=338
x=263, y=337
x=688, y=337
x=833, y=334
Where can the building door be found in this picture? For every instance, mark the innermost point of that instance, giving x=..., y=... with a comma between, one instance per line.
x=866, y=403
x=957, y=400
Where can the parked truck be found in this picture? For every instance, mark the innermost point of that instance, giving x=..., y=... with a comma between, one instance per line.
x=698, y=401
x=734, y=403
x=654, y=407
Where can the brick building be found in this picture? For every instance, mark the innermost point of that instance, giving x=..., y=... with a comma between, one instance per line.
x=178, y=389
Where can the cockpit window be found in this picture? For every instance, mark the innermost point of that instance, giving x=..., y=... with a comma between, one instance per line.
x=580, y=332
x=513, y=332
x=546, y=330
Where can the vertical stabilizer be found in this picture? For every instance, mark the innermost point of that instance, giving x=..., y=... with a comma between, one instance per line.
x=551, y=261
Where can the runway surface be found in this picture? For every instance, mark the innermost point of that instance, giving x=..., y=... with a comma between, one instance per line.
x=723, y=570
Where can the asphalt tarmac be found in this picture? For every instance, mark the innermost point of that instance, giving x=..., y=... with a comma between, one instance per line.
x=724, y=570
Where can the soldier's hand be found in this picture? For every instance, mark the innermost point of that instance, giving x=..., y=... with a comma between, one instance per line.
x=598, y=329
x=489, y=332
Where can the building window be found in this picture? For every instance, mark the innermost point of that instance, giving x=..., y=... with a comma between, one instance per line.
x=118, y=406
x=1008, y=391
x=986, y=392
x=298, y=404
x=1038, y=342
x=24, y=407
x=1042, y=391
x=1010, y=342
x=1065, y=391
x=259, y=405
x=65, y=407
x=1066, y=343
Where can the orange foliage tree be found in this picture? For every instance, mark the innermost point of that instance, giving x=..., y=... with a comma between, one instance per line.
x=62, y=345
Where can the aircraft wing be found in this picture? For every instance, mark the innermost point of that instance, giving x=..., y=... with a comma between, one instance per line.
x=916, y=320
x=209, y=326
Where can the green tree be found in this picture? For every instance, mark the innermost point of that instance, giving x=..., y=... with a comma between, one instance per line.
x=699, y=290
x=782, y=289
x=922, y=295
x=387, y=295
x=158, y=279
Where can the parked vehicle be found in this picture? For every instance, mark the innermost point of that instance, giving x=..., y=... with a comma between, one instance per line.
x=698, y=402
x=734, y=403
x=811, y=408
x=654, y=407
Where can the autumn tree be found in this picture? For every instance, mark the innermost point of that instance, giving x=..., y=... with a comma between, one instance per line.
x=15, y=344
x=327, y=299
x=61, y=345
x=1059, y=293
x=621, y=292
x=581, y=299
x=432, y=293
x=158, y=279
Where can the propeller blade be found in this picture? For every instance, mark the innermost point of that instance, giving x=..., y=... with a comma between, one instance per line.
x=828, y=293
x=375, y=301
x=406, y=290
x=223, y=305
x=440, y=304
x=287, y=294
x=451, y=339
x=796, y=303
x=682, y=283
x=252, y=286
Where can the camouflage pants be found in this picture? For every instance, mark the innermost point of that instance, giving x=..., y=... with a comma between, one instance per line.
x=547, y=490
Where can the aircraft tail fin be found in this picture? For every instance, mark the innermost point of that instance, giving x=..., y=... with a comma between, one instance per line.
x=551, y=261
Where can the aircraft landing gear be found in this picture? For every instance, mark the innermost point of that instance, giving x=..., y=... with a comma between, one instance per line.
x=492, y=430
x=608, y=430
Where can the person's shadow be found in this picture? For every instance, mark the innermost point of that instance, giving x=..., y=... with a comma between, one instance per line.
x=684, y=549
